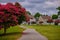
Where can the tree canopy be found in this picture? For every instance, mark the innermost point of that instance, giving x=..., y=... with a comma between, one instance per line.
x=37, y=15
x=28, y=12
x=59, y=10
x=10, y=15
x=54, y=16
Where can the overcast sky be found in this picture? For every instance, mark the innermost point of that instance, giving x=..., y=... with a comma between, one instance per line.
x=42, y=6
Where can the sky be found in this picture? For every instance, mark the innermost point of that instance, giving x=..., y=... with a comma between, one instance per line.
x=45, y=7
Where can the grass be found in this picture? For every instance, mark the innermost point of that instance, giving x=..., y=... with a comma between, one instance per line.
x=13, y=33
x=52, y=32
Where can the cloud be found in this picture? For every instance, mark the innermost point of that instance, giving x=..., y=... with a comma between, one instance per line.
x=36, y=1
x=47, y=7
x=27, y=5
x=42, y=6
x=4, y=1
x=52, y=4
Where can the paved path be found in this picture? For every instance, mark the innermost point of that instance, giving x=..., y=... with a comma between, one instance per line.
x=31, y=34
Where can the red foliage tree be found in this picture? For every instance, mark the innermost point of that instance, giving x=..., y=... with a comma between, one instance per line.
x=9, y=15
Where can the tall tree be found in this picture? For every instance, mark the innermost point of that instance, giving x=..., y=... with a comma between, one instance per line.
x=59, y=10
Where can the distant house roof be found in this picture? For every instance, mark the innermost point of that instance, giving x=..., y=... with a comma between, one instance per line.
x=46, y=17
x=32, y=19
x=30, y=16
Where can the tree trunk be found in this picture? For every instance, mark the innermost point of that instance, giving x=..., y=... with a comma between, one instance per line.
x=4, y=30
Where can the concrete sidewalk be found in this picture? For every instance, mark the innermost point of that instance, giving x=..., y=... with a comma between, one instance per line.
x=31, y=34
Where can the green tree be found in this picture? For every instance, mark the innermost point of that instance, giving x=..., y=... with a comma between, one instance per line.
x=28, y=12
x=59, y=10
x=37, y=15
x=54, y=16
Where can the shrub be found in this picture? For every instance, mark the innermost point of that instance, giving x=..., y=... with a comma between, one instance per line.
x=57, y=22
x=49, y=21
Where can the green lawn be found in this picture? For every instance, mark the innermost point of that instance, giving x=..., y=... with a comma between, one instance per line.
x=52, y=32
x=13, y=33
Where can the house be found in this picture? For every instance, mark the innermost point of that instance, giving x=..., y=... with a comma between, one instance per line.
x=43, y=19
x=32, y=20
x=57, y=21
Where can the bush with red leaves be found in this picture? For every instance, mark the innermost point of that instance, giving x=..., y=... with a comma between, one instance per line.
x=49, y=21
x=57, y=21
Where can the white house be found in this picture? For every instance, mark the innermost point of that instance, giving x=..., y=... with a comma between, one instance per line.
x=43, y=19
